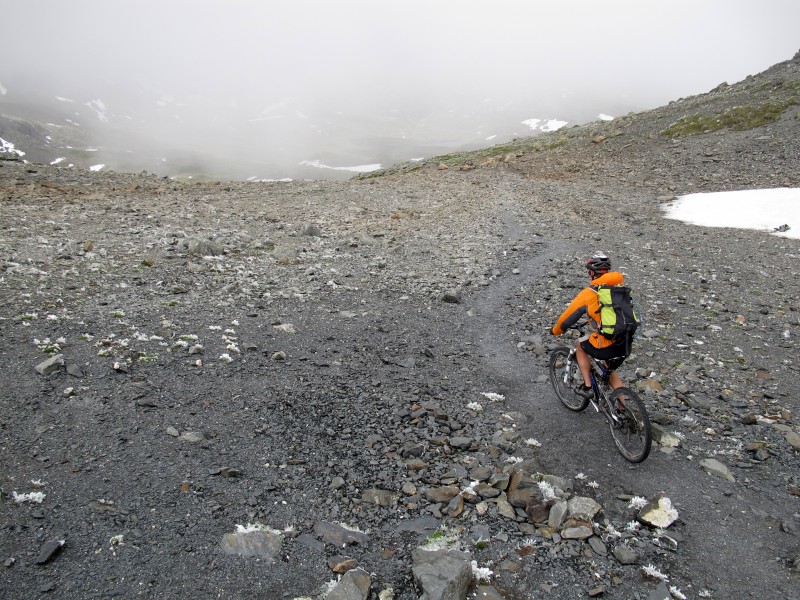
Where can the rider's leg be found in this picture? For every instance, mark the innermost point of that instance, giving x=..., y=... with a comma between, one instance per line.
x=614, y=380
x=584, y=364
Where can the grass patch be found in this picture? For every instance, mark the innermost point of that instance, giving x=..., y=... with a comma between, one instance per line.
x=739, y=118
x=780, y=84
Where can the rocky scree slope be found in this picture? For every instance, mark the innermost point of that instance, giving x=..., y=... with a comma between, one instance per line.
x=358, y=368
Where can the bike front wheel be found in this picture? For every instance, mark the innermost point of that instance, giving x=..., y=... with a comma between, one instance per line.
x=564, y=375
x=631, y=427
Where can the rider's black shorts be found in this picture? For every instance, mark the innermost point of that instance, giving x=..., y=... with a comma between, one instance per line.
x=614, y=355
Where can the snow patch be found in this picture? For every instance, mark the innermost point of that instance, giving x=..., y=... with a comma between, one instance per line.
x=775, y=210
x=96, y=167
x=544, y=126
x=3, y=90
x=57, y=160
x=100, y=108
x=357, y=169
x=9, y=147
x=603, y=117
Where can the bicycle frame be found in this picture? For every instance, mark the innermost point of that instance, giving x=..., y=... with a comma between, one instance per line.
x=597, y=370
x=623, y=409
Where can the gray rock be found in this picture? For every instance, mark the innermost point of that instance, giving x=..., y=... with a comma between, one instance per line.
x=580, y=507
x=309, y=541
x=380, y=497
x=484, y=490
x=441, y=574
x=456, y=506
x=660, y=593
x=793, y=439
x=714, y=467
x=487, y=592
x=354, y=585
x=581, y=532
x=663, y=437
x=75, y=370
x=658, y=512
x=480, y=532
x=504, y=509
x=51, y=365
x=558, y=483
x=423, y=525
x=460, y=442
x=48, y=551
x=451, y=296
x=409, y=489
x=262, y=543
x=523, y=497
x=598, y=546
x=557, y=514
x=625, y=555
x=442, y=494
x=200, y=247
x=339, y=535
x=481, y=473
x=192, y=436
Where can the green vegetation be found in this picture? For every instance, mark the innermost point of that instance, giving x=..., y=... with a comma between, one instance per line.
x=436, y=535
x=780, y=84
x=739, y=118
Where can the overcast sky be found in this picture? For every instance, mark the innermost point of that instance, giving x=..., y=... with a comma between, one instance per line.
x=365, y=55
x=357, y=47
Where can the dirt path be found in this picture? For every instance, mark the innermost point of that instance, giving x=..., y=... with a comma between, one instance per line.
x=729, y=534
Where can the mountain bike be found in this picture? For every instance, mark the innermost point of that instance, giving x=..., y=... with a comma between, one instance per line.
x=622, y=407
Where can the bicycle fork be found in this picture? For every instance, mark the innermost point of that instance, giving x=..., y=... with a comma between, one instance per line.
x=601, y=398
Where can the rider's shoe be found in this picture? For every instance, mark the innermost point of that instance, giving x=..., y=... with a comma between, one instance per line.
x=582, y=390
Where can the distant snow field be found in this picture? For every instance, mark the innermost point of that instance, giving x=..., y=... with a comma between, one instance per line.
x=545, y=126
x=356, y=169
x=773, y=210
x=3, y=91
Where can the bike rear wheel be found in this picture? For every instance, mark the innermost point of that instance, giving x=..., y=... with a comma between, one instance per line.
x=564, y=377
x=631, y=430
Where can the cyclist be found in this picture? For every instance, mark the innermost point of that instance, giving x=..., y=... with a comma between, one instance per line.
x=595, y=344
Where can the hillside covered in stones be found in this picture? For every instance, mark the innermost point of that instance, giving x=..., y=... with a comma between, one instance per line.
x=339, y=389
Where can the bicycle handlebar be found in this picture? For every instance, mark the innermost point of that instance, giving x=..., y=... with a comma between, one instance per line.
x=580, y=326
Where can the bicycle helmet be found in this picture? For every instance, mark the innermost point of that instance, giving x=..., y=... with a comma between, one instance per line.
x=599, y=263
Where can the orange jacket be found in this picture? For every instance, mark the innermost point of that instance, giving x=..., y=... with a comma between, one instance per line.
x=586, y=303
